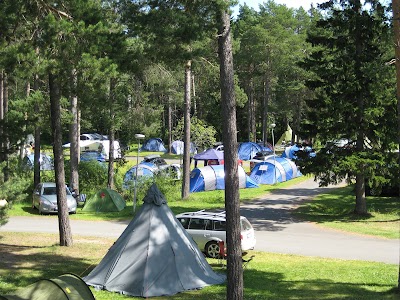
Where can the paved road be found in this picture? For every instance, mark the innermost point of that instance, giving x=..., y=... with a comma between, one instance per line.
x=276, y=230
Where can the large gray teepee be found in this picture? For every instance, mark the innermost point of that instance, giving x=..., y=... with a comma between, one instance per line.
x=154, y=256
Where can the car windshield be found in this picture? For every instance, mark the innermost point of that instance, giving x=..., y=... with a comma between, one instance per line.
x=52, y=191
x=49, y=190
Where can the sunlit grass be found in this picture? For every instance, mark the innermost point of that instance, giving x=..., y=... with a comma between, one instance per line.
x=27, y=257
x=335, y=210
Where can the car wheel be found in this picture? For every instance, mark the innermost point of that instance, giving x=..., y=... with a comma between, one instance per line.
x=212, y=249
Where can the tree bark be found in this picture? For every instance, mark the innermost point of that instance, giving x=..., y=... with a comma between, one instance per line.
x=396, y=27
x=186, y=138
x=361, y=202
x=55, y=109
x=232, y=204
x=73, y=135
x=110, y=182
x=3, y=116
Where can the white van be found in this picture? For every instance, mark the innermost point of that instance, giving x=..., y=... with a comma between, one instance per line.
x=208, y=229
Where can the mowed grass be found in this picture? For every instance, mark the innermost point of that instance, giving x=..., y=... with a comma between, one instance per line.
x=27, y=257
x=335, y=210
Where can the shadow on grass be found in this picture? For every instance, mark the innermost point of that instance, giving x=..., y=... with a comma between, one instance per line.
x=21, y=266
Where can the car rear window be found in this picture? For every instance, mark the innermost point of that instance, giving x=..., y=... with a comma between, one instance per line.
x=246, y=224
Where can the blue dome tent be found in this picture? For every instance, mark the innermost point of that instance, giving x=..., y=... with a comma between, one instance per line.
x=153, y=145
x=290, y=152
x=248, y=150
x=282, y=169
x=144, y=170
x=211, y=178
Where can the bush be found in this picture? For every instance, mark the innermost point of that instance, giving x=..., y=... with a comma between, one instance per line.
x=92, y=176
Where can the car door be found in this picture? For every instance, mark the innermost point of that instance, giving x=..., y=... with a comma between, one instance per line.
x=36, y=195
x=197, y=230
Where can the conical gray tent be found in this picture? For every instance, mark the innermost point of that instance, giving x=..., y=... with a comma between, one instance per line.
x=154, y=256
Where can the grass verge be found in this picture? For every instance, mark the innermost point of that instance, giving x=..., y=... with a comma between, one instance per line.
x=27, y=257
x=335, y=210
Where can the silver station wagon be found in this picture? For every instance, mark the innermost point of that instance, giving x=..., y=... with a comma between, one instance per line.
x=208, y=230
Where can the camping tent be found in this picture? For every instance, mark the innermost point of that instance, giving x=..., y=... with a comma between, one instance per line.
x=290, y=152
x=105, y=200
x=209, y=155
x=248, y=150
x=177, y=147
x=46, y=162
x=213, y=178
x=154, y=145
x=144, y=169
x=154, y=256
x=66, y=286
x=286, y=137
x=282, y=169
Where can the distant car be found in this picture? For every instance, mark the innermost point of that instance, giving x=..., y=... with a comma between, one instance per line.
x=44, y=198
x=93, y=155
x=208, y=229
x=156, y=160
x=260, y=157
x=91, y=136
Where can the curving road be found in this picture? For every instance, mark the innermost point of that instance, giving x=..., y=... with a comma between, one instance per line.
x=276, y=230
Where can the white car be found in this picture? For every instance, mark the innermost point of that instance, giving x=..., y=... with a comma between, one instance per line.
x=44, y=198
x=208, y=229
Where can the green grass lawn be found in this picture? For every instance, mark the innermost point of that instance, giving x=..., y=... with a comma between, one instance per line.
x=27, y=257
x=335, y=210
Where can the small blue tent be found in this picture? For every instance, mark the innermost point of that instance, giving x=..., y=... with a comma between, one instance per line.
x=290, y=152
x=211, y=178
x=144, y=169
x=46, y=162
x=177, y=147
x=248, y=150
x=274, y=170
x=153, y=145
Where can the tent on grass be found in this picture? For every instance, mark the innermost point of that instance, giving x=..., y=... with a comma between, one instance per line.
x=154, y=256
x=153, y=145
x=177, y=147
x=144, y=169
x=211, y=178
x=105, y=200
x=46, y=162
x=248, y=150
x=67, y=286
x=290, y=151
x=286, y=137
x=274, y=170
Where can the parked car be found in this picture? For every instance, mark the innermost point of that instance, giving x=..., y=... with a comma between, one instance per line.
x=260, y=157
x=208, y=229
x=44, y=198
x=156, y=160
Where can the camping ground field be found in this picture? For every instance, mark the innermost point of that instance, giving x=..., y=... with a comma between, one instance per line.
x=26, y=258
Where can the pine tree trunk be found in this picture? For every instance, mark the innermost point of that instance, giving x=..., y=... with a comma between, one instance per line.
x=55, y=109
x=73, y=135
x=186, y=138
x=396, y=26
x=361, y=202
x=232, y=204
x=5, y=138
x=110, y=182
x=36, y=166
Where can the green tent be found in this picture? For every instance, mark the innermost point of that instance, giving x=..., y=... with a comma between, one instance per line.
x=64, y=287
x=105, y=200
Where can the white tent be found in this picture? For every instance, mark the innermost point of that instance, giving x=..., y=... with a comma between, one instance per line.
x=154, y=256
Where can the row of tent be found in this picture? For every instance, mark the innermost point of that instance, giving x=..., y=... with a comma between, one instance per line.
x=154, y=256
x=246, y=150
